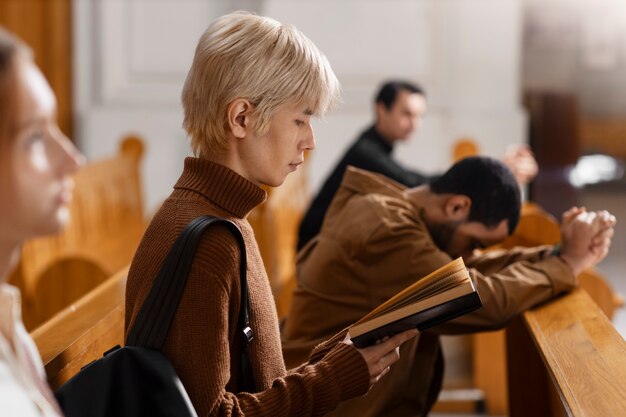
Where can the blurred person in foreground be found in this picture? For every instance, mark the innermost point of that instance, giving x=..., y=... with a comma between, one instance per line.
x=36, y=165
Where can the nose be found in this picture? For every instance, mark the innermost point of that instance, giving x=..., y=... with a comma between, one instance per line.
x=308, y=143
x=69, y=157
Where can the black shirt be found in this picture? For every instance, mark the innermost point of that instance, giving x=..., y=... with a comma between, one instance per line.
x=371, y=152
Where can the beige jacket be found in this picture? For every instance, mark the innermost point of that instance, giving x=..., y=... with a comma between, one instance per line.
x=374, y=243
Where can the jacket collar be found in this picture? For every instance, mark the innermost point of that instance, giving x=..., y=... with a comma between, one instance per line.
x=361, y=181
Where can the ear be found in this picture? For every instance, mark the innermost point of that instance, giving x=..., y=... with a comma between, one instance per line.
x=457, y=207
x=380, y=110
x=239, y=114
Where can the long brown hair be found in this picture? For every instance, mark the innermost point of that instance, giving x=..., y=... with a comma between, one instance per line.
x=11, y=51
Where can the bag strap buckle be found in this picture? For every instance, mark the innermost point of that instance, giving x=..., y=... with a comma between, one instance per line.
x=248, y=335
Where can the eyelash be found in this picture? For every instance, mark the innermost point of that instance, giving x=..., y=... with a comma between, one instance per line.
x=299, y=123
x=35, y=137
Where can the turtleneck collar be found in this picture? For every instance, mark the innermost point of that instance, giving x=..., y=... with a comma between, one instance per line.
x=220, y=185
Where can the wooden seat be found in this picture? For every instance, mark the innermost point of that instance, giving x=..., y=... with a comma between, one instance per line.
x=83, y=331
x=104, y=230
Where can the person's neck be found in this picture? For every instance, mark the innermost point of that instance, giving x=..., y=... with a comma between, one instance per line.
x=430, y=203
x=384, y=134
x=9, y=255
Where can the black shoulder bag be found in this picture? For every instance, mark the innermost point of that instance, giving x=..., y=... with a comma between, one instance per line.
x=137, y=379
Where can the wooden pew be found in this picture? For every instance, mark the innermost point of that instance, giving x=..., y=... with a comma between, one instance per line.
x=104, y=230
x=565, y=358
x=463, y=148
x=536, y=227
x=83, y=331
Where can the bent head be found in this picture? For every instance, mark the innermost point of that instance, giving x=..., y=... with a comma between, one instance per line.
x=256, y=82
x=481, y=206
x=36, y=159
x=400, y=106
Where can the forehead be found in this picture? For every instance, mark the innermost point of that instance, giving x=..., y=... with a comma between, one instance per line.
x=414, y=102
x=36, y=99
x=295, y=108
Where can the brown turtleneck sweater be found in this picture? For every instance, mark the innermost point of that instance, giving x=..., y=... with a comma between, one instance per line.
x=202, y=343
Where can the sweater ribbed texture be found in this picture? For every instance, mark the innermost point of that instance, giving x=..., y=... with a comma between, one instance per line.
x=204, y=343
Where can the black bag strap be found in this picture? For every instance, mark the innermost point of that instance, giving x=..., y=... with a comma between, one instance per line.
x=157, y=312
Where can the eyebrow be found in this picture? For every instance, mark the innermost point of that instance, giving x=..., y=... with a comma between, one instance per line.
x=309, y=112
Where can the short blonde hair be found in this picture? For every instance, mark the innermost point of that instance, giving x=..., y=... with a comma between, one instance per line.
x=242, y=55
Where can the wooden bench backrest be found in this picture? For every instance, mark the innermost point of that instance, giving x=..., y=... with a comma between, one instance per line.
x=104, y=230
x=566, y=359
x=83, y=331
x=464, y=147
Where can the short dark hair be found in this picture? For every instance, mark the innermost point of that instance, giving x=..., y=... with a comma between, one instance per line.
x=491, y=186
x=389, y=91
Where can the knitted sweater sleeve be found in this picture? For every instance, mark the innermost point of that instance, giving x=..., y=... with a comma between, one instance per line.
x=202, y=346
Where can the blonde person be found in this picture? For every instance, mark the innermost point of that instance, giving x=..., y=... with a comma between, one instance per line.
x=248, y=100
x=36, y=164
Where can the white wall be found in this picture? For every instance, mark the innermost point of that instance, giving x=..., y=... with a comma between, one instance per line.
x=132, y=56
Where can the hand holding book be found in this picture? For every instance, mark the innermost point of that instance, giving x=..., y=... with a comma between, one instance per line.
x=379, y=357
x=440, y=296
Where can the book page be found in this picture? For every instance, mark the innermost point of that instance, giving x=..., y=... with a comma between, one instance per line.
x=447, y=276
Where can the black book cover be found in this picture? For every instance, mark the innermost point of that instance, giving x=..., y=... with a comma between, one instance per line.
x=422, y=319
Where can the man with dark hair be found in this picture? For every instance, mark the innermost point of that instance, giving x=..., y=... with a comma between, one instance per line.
x=390, y=90
x=495, y=196
x=379, y=237
x=399, y=109
x=400, y=106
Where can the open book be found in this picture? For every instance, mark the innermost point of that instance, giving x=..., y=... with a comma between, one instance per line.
x=440, y=296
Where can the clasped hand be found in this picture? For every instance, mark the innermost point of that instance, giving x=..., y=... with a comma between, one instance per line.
x=585, y=237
